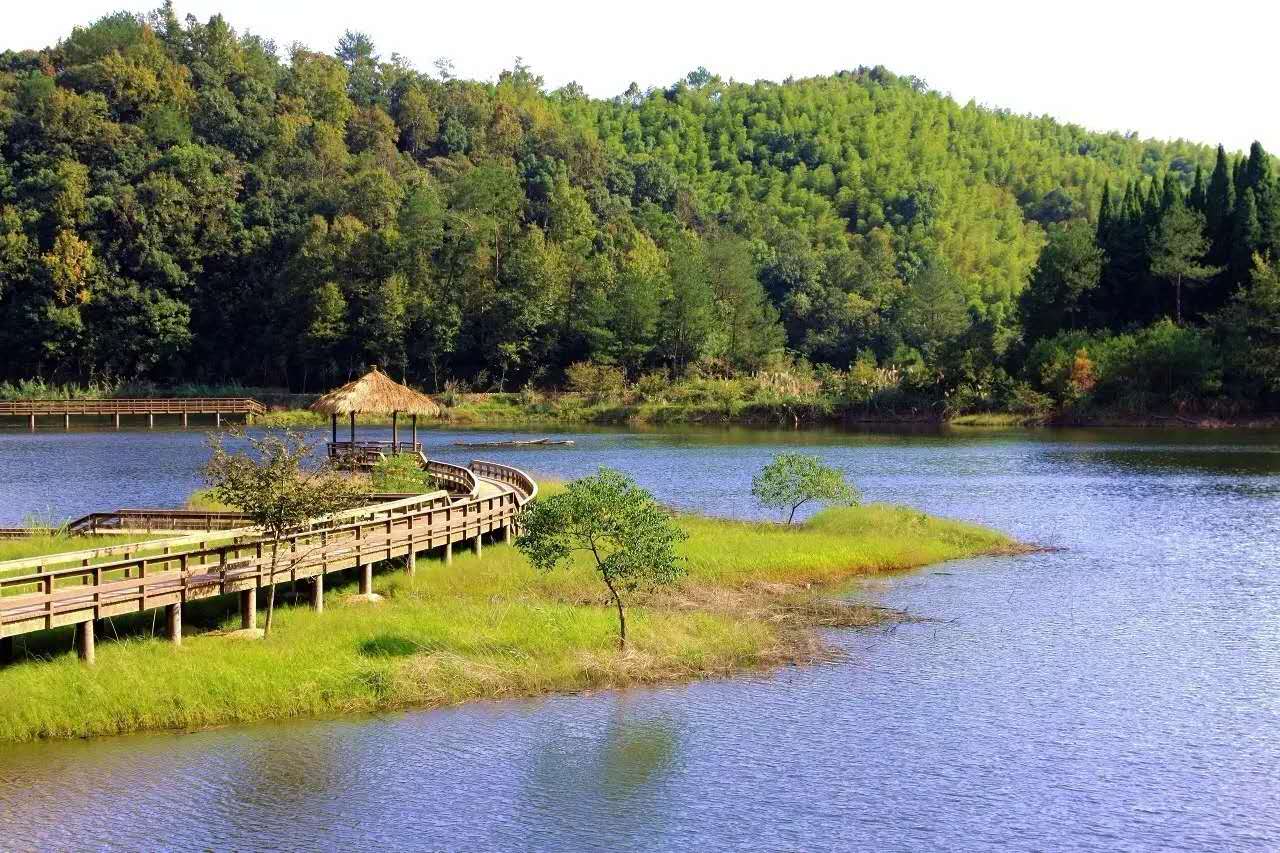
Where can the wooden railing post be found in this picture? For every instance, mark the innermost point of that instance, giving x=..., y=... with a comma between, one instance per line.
x=173, y=622
x=85, y=643
x=317, y=593
x=249, y=608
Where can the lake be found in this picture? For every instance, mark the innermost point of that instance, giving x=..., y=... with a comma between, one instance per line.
x=1120, y=693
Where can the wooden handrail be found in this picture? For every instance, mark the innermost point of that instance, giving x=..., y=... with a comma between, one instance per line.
x=513, y=477
x=52, y=593
x=135, y=406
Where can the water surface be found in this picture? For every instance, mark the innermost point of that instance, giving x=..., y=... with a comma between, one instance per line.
x=1123, y=693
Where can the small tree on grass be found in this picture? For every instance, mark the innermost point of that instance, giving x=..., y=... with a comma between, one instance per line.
x=269, y=481
x=400, y=473
x=629, y=536
x=792, y=480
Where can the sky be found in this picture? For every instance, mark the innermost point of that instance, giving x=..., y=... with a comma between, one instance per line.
x=1172, y=69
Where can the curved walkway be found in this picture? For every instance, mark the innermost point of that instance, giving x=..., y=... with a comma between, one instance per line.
x=80, y=587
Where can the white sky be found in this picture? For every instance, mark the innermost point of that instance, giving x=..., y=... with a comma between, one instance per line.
x=1205, y=72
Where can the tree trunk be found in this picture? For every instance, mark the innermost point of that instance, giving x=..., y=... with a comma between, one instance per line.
x=622, y=617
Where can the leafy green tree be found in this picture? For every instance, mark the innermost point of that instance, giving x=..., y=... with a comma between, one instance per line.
x=631, y=539
x=268, y=480
x=1178, y=247
x=688, y=314
x=1253, y=318
x=792, y=480
x=749, y=323
x=1069, y=269
x=934, y=310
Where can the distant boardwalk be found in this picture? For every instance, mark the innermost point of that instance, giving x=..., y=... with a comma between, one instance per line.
x=147, y=407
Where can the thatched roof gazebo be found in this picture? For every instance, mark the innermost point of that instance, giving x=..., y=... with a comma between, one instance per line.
x=374, y=393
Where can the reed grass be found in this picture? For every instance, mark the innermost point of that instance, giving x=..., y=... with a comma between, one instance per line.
x=484, y=628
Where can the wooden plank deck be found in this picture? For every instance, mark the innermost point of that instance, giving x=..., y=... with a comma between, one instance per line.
x=81, y=587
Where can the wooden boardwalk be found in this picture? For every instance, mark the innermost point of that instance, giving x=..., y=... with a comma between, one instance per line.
x=148, y=407
x=78, y=588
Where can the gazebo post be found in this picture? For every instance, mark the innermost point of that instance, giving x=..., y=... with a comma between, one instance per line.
x=395, y=432
x=414, y=431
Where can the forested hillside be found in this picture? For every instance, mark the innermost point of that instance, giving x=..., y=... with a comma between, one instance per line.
x=180, y=202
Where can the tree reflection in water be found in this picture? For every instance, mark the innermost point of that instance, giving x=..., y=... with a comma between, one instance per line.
x=616, y=771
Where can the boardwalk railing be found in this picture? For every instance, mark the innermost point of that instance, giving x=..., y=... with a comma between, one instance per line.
x=118, y=407
x=135, y=406
x=39, y=593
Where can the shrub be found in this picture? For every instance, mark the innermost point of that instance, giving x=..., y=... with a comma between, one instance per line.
x=653, y=386
x=400, y=473
x=1161, y=365
x=1025, y=400
x=451, y=396
x=598, y=382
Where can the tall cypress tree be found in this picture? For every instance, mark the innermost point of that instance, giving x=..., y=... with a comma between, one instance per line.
x=1219, y=200
x=1258, y=167
x=1245, y=235
x=1151, y=205
x=1104, y=215
x=1266, y=198
x=1196, y=200
x=1170, y=192
x=1240, y=177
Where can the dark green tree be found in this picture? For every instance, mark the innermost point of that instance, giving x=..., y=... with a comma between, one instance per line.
x=1178, y=248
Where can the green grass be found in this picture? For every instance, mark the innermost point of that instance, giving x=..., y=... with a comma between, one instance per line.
x=995, y=419
x=483, y=628
x=57, y=543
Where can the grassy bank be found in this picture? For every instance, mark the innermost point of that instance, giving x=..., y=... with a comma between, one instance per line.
x=486, y=628
x=57, y=543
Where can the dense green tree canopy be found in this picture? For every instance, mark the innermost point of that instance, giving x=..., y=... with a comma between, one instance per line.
x=182, y=201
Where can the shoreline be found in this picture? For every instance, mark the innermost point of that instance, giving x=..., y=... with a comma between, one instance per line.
x=467, y=416
x=756, y=598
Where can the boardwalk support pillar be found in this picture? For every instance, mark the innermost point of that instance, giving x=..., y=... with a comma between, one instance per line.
x=366, y=579
x=477, y=545
x=317, y=593
x=84, y=643
x=31, y=422
x=184, y=420
x=448, y=553
x=217, y=420
x=173, y=623
x=66, y=420
x=249, y=608
x=151, y=420
x=117, y=416
x=506, y=535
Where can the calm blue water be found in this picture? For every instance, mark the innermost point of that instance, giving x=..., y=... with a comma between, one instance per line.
x=1121, y=694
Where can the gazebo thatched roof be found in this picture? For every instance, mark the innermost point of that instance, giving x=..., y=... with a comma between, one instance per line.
x=375, y=393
